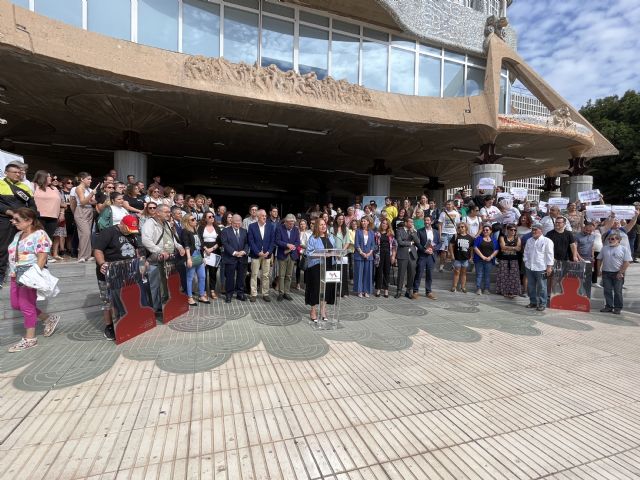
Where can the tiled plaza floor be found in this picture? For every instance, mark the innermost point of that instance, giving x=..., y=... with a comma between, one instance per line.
x=461, y=387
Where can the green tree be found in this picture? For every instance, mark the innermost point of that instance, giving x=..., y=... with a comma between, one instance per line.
x=618, y=119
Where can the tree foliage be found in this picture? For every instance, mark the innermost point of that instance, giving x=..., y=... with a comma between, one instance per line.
x=618, y=119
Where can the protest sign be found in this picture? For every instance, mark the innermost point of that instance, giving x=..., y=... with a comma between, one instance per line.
x=519, y=193
x=542, y=206
x=505, y=195
x=561, y=202
x=486, y=184
x=589, y=196
x=625, y=212
x=596, y=212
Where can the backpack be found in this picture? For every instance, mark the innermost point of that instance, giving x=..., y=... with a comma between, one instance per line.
x=105, y=219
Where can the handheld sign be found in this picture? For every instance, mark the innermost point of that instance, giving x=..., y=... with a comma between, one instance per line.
x=519, y=193
x=486, y=184
x=596, y=212
x=561, y=202
x=589, y=196
x=625, y=212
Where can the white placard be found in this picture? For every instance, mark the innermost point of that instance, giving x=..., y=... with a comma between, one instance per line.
x=213, y=260
x=332, y=276
x=589, y=196
x=626, y=212
x=596, y=212
x=486, y=184
x=542, y=206
x=519, y=193
x=561, y=202
x=506, y=195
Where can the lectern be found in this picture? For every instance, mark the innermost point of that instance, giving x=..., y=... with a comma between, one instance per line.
x=331, y=260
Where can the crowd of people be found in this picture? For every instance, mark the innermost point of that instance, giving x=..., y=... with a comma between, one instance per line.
x=396, y=244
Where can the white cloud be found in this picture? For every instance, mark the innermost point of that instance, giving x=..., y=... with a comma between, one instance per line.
x=583, y=49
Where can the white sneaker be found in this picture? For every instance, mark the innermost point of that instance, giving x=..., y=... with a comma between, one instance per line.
x=24, y=344
x=51, y=260
x=81, y=260
x=596, y=285
x=441, y=269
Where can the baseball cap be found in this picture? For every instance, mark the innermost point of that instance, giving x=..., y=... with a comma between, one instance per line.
x=536, y=225
x=131, y=222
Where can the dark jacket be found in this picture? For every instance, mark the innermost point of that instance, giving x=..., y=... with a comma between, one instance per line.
x=407, y=242
x=231, y=244
x=282, y=239
x=257, y=244
x=422, y=236
x=188, y=240
x=218, y=238
x=9, y=201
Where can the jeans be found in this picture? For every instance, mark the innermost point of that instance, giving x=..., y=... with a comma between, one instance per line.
x=426, y=265
x=483, y=275
x=612, y=286
x=537, y=287
x=192, y=272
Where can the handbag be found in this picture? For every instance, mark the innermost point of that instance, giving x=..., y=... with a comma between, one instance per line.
x=196, y=259
x=302, y=265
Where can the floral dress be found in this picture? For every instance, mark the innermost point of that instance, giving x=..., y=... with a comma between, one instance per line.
x=28, y=249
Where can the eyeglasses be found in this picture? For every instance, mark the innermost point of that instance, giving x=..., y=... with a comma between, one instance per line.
x=151, y=208
x=613, y=238
x=208, y=217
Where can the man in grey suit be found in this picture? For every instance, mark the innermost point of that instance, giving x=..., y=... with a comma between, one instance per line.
x=407, y=256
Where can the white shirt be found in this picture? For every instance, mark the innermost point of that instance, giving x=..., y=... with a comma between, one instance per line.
x=538, y=254
x=359, y=214
x=474, y=225
x=449, y=226
x=429, y=235
x=261, y=228
x=117, y=214
x=491, y=213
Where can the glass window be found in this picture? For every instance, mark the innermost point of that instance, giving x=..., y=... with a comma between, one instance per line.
x=402, y=42
x=502, y=105
x=277, y=43
x=246, y=3
x=240, y=36
x=346, y=27
x=475, y=81
x=110, y=17
x=453, y=79
x=375, y=34
x=313, y=18
x=344, y=57
x=430, y=50
x=158, y=23
x=480, y=62
x=429, y=76
x=278, y=10
x=21, y=3
x=67, y=11
x=454, y=56
x=312, y=51
x=374, y=65
x=402, y=71
x=201, y=28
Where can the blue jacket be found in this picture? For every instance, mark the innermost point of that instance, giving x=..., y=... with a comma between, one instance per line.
x=282, y=240
x=232, y=244
x=477, y=242
x=316, y=244
x=258, y=244
x=365, y=247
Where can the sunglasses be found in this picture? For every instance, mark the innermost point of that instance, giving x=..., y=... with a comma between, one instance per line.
x=208, y=216
x=192, y=219
x=151, y=208
x=511, y=229
x=68, y=183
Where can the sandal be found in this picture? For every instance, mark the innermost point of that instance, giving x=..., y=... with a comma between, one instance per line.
x=213, y=294
x=50, y=324
x=206, y=300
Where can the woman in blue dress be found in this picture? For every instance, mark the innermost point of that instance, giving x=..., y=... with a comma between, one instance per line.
x=363, y=259
x=318, y=241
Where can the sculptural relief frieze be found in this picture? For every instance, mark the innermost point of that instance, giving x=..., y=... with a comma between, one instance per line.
x=272, y=80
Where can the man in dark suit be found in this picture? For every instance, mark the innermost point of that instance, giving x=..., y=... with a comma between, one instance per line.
x=287, y=241
x=261, y=243
x=406, y=255
x=236, y=248
x=429, y=239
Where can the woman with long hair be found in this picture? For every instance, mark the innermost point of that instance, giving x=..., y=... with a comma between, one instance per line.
x=399, y=220
x=385, y=256
x=319, y=240
x=305, y=233
x=153, y=195
x=461, y=250
x=342, y=240
x=485, y=249
x=209, y=232
x=363, y=259
x=30, y=246
x=132, y=202
x=195, y=263
x=200, y=208
x=84, y=198
x=47, y=199
x=169, y=194
x=508, y=278
x=353, y=228
x=148, y=212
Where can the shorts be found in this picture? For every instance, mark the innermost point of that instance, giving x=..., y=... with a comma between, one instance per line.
x=461, y=264
x=445, y=239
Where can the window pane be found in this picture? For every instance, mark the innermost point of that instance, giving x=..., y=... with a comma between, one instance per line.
x=344, y=57
x=503, y=95
x=245, y=3
x=402, y=71
x=403, y=42
x=431, y=50
x=21, y=3
x=429, y=76
x=201, y=29
x=454, y=56
x=375, y=34
x=481, y=62
x=313, y=49
x=313, y=18
x=277, y=43
x=374, y=65
x=110, y=17
x=346, y=27
x=475, y=81
x=67, y=11
x=453, y=79
x=240, y=36
x=158, y=23
x=278, y=10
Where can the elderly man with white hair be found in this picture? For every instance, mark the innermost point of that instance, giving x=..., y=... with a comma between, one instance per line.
x=235, y=242
x=288, y=243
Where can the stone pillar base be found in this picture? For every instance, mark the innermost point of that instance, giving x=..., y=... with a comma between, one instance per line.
x=127, y=162
x=489, y=170
x=379, y=185
x=577, y=184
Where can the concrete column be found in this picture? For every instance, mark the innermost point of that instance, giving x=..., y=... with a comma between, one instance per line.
x=575, y=184
x=379, y=185
x=545, y=196
x=438, y=196
x=488, y=170
x=127, y=162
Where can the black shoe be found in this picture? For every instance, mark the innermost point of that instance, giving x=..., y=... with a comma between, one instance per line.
x=617, y=311
x=287, y=297
x=109, y=332
x=540, y=308
x=397, y=295
x=606, y=310
x=242, y=298
x=532, y=305
x=227, y=299
x=252, y=299
x=408, y=295
x=280, y=297
x=266, y=298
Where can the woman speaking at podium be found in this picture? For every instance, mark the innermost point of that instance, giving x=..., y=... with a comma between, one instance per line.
x=319, y=240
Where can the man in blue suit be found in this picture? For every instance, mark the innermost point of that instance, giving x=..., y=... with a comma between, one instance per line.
x=288, y=242
x=427, y=250
x=261, y=244
x=236, y=248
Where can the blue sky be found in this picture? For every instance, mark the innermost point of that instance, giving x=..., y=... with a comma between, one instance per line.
x=583, y=48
